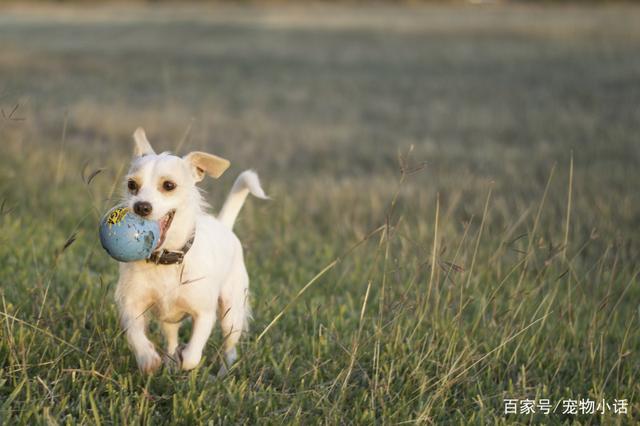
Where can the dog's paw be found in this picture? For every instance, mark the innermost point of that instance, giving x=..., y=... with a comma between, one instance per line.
x=173, y=362
x=149, y=362
x=190, y=360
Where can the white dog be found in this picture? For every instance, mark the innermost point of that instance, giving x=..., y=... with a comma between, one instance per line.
x=198, y=269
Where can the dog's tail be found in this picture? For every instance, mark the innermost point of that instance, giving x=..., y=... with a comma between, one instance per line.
x=246, y=183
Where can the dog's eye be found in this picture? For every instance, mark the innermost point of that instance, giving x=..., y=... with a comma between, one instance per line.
x=132, y=185
x=168, y=185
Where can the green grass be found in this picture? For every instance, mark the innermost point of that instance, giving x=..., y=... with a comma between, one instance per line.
x=429, y=247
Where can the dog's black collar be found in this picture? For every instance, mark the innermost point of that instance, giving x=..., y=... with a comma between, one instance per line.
x=167, y=257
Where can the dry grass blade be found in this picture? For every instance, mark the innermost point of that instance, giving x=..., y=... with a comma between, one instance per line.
x=477, y=246
x=3, y=208
x=69, y=241
x=11, y=116
x=565, y=243
x=63, y=141
x=46, y=333
x=297, y=296
x=93, y=175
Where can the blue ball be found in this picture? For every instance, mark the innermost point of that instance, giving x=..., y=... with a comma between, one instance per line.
x=128, y=237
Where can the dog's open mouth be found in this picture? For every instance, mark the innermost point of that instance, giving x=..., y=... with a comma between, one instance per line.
x=165, y=223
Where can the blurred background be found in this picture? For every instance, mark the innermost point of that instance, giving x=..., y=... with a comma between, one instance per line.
x=325, y=90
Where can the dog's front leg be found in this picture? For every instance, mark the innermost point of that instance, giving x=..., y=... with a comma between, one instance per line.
x=133, y=322
x=202, y=326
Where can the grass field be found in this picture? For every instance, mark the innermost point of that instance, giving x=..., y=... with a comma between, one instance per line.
x=430, y=249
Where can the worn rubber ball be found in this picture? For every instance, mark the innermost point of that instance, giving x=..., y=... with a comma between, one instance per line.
x=128, y=237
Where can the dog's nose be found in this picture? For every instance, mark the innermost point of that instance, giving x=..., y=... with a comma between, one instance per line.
x=142, y=208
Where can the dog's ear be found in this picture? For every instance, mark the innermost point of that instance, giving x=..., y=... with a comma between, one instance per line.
x=202, y=163
x=142, y=147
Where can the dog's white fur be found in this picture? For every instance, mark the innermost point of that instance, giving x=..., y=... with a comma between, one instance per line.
x=212, y=280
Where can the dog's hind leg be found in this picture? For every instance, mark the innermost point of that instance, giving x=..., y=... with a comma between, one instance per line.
x=170, y=331
x=233, y=313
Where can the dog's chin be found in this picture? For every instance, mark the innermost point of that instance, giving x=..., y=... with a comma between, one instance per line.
x=165, y=224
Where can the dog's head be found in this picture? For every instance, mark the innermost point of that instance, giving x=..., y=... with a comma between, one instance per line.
x=162, y=187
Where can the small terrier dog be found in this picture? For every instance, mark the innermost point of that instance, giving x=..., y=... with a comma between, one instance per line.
x=198, y=269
